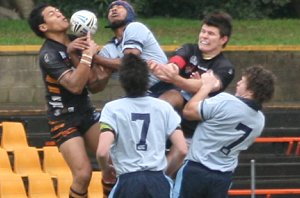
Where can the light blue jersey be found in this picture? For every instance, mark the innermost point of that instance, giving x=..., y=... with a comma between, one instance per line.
x=137, y=36
x=229, y=126
x=142, y=126
x=112, y=50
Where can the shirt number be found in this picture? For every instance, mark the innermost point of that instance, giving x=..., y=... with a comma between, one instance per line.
x=145, y=117
x=240, y=127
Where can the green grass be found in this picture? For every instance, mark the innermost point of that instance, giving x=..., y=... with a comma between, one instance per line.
x=173, y=31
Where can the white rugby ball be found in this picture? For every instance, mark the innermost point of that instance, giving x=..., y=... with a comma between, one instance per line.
x=83, y=21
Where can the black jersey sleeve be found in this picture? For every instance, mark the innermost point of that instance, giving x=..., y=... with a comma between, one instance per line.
x=225, y=70
x=54, y=63
x=185, y=51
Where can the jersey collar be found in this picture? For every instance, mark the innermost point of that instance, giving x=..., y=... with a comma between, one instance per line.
x=251, y=103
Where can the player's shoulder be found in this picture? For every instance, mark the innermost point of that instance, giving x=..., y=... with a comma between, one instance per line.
x=221, y=98
x=223, y=60
x=115, y=102
x=190, y=46
x=136, y=25
x=50, y=55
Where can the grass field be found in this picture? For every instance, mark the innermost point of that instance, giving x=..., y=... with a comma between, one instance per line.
x=173, y=31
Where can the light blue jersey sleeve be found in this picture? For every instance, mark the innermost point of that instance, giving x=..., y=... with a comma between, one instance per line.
x=138, y=36
x=111, y=50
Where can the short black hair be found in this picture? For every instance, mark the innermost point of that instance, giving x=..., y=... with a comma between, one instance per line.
x=220, y=20
x=134, y=75
x=36, y=19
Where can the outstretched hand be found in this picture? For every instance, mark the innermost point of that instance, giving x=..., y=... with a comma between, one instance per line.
x=79, y=43
x=92, y=45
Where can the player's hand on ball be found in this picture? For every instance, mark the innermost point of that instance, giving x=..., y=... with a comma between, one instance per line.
x=78, y=44
x=92, y=46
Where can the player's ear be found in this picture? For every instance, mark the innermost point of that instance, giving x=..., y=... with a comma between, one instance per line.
x=43, y=27
x=224, y=40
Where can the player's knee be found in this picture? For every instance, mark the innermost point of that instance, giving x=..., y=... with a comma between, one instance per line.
x=83, y=176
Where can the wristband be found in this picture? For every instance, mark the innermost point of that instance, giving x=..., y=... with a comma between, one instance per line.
x=86, y=62
x=87, y=56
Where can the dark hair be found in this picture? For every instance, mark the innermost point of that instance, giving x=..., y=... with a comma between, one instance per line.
x=261, y=81
x=134, y=75
x=36, y=19
x=220, y=20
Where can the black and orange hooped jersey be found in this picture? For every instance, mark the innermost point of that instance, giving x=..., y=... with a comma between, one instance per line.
x=54, y=63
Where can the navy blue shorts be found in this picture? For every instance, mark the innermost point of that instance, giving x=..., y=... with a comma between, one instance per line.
x=195, y=180
x=142, y=184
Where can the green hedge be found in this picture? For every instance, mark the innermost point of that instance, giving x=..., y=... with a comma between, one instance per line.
x=239, y=9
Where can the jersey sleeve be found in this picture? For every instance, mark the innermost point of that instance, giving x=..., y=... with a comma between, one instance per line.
x=107, y=117
x=135, y=36
x=105, y=51
x=174, y=120
x=110, y=50
x=52, y=62
x=181, y=56
x=225, y=70
x=211, y=107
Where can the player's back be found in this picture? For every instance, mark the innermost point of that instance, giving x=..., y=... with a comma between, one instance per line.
x=142, y=127
x=230, y=126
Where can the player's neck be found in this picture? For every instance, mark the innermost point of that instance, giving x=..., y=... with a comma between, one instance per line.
x=210, y=55
x=60, y=38
x=119, y=32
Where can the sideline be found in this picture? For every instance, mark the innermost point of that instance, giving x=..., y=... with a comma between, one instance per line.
x=167, y=48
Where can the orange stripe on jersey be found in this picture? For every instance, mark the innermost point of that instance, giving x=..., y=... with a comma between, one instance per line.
x=56, y=127
x=53, y=122
x=66, y=132
x=51, y=80
x=53, y=89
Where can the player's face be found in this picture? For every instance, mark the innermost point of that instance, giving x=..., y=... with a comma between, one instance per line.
x=241, y=87
x=210, y=41
x=54, y=20
x=117, y=13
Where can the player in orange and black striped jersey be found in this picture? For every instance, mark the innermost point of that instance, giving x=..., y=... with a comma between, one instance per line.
x=71, y=116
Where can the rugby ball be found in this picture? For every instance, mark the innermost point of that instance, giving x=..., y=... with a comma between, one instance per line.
x=83, y=21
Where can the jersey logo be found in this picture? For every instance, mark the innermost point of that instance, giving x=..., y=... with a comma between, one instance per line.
x=46, y=58
x=194, y=60
x=230, y=71
x=65, y=58
x=62, y=54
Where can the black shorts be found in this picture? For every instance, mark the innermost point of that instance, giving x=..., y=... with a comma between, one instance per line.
x=142, y=184
x=69, y=125
x=159, y=88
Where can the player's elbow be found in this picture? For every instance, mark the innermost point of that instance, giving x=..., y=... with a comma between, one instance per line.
x=76, y=90
x=182, y=151
x=189, y=114
x=101, y=154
